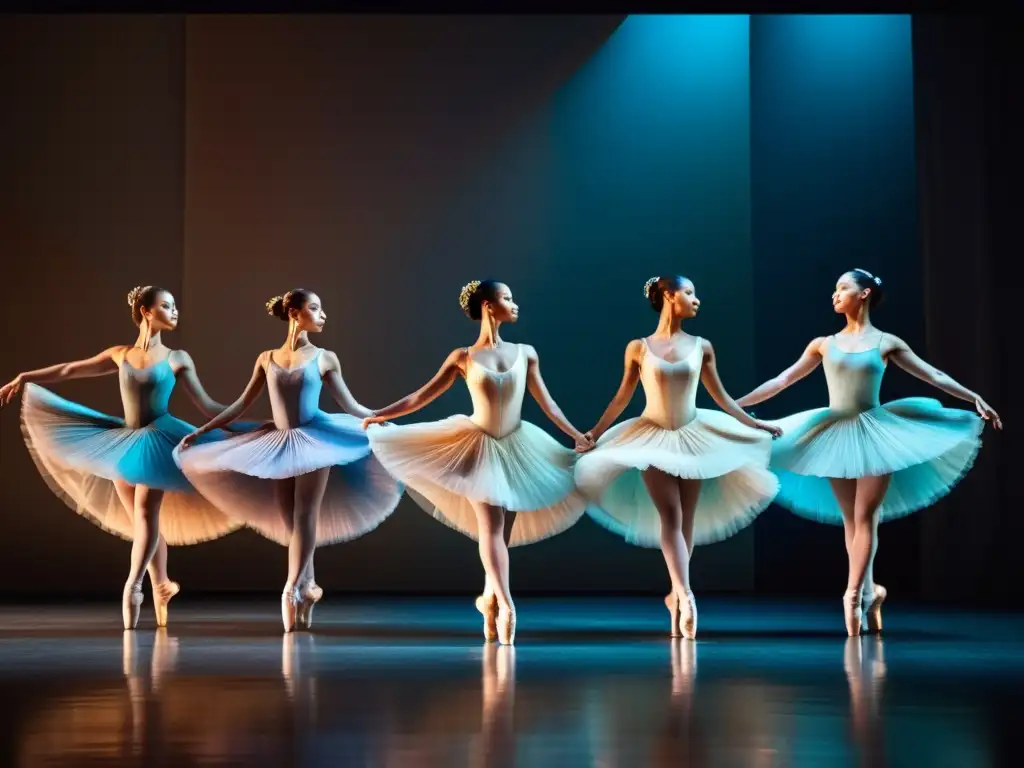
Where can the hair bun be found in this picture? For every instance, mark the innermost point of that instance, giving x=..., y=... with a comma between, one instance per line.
x=134, y=295
x=275, y=305
x=467, y=293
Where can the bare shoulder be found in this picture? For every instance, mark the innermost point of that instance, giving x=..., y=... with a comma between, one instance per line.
x=530, y=352
x=116, y=353
x=706, y=345
x=635, y=350
x=816, y=346
x=181, y=357
x=457, y=358
x=891, y=343
x=329, y=361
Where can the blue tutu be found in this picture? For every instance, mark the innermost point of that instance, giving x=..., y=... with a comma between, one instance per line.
x=81, y=452
x=243, y=474
x=925, y=447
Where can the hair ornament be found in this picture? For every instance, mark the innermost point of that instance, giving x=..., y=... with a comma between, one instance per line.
x=467, y=293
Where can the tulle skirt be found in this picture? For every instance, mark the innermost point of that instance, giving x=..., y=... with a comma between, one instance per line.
x=81, y=452
x=925, y=447
x=445, y=465
x=730, y=460
x=243, y=476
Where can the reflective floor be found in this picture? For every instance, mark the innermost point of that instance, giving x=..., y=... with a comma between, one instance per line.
x=591, y=682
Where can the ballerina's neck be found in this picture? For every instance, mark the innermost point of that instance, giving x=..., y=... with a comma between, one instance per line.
x=859, y=325
x=488, y=338
x=296, y=338
x=668, y=325
x=146, y=339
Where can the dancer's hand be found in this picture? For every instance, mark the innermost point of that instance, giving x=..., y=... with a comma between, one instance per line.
x=9, y=390
x=584, y=443
x=984, y=410
x=771, y=429
x=189, y=440
x=375, y=419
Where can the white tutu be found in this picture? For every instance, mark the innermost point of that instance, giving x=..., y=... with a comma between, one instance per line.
x=446, y=465
x=728, y=458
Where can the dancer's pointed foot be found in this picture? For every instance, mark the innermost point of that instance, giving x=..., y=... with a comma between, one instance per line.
x=162, y=595
x=507, y=625
x=851, y=612
x=872, y=620
x=487, y=605
x=289, y=608
x=688, y=616
x=311, y=595
x=131, y=605
x=674, y=610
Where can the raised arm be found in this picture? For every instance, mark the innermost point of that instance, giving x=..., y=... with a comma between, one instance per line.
x=539, y=391
x=336, y=385
x=237, y=408
x=713, y=384
x=809, y=360
x=901, y=354
x=426, y=394
x=630, y=378
x=103, y=364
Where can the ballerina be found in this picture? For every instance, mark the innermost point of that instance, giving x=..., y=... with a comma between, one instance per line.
x=678, y=475
x=119, y=472
x=470, y=472
x=857, y=462
x=308, y=481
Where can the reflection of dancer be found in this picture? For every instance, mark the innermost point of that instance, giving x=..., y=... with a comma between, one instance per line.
x=864, y=664
x=117, y=472
x=497, y=738
x=679, y=742
x=141, y=686
x=311, y=479
x=857, y=462
x=678, y=475
x=468, y=471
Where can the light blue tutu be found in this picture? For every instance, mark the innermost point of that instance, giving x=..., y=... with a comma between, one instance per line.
x=80, y=453
x=925, y=447
x=243, y=475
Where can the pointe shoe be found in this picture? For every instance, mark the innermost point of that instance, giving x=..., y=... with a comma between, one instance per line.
x=311, y=595
x=162, y=595
x=289, y=608
x=672, y=603
x=131, y=605
x=507, y=626
x=489, y=610
x=871, y=622
x=851, y=612
x=688, y=616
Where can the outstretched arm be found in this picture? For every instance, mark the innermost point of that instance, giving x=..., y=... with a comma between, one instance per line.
x=237, y=408
x=339, y=389
x=901, y=354
x=193, y=387
x=539, y=391
x=630, y=378
x=713, y=384
x=102, y=364
x=426, y=394
x=809, y=360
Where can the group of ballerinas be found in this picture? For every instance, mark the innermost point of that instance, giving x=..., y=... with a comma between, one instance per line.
x=675, y=477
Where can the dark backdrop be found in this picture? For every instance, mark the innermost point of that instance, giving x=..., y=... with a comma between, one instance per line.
x=385, y=161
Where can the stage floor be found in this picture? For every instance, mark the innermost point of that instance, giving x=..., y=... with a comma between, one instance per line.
x=591, y=682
